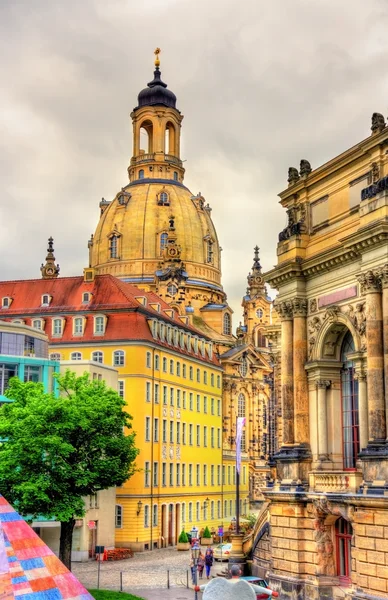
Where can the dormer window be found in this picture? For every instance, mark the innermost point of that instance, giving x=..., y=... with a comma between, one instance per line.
x=6, y=302
x=57, y=325
x=188, y=341
x=99, y=325
x=209, y=252
x=163, y=241
x=176, y=336
x=114, y=246
x=163, y=199
x=162, y=330
x=196, y=345
x=86, y=297
x=78, y=325
x=203, y=347
x=46, y=299
x=38, y=324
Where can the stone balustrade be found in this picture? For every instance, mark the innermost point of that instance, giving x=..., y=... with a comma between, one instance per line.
x=335, y=481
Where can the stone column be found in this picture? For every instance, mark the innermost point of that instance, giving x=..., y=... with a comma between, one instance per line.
x=322, y=386
x=371, y=286
x=384, y=282
x=287, y=386
x=362, y=408
x=301, y=401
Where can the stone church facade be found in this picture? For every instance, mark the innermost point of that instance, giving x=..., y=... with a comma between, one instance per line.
x=328, y=534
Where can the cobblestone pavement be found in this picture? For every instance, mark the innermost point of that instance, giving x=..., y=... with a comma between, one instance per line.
x=144, y=571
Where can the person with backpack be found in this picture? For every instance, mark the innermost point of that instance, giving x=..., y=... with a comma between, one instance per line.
x=201, y=564
x=208, y=561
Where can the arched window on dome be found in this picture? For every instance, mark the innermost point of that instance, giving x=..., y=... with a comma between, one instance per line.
x=114, y=246
x=227, y=324
x=146, y=137
x=175, y=176
x=141, y=174
x=170, y=139
x=163, y=241
x=209, y=252
x=163, y=199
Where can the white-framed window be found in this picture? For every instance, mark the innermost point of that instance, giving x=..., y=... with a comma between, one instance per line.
x=76, y=356
x=155, y=515
x=118, y=516
x=198, y=376
x=205, y=436
x=164, y=365
x=156, y=393
x=164, y=431
x=171, y=432
x=99, y=325
x=171, y=396
x=188, y=342
x=146, y=515
x=162, y=331
x=178, y=474
x=212, y=437
x=78, y=325
x=218, y=474
x=184, y=398
x=218, y=509
x=212, y=379
x=178, y=432
x=182, y=339
x=46, y=299
x=212, y=510
x=165, y=395
x=55, y=356
x=164, y=474
x=203, y=348
x=147, y=429
x=196, y=345
x=184, y=434
x=147, y=473
x=191, y=373
x=218, y=438
x=156, y=474
x=205, y=377
x=178, y=398
x=118, y=358
x=205, y=405
x=148, y=391
x=114, y=246
x=190, y=474
x=212, y=406
x=38, y=324
x=57, y=327
x=148, y=360
x=178, y=369
x=218, y=381
x=85, y=297
x=227, y=324
x=198, y=511
x=171, y=367
x=98, y=356
x=157, y=362
x=183, y=509
x=190, y=434
x=198, y=403
x=212, y=476
x=121, y=388
x=198, y=478
x=184, y=370
x=191, y=401
x=218, y=408
x=171, y=474
x=198, y=435
x=156, y=430
x=163, y=199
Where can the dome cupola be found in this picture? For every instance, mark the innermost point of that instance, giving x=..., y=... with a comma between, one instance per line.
x=156, y=92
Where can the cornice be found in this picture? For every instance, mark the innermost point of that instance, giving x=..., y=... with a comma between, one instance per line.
x=283, y=273
x=374, y=234
x=327, y=260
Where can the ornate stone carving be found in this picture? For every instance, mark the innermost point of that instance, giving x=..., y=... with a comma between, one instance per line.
x=358, y=317
x=313, y=305
x=164, y=452
x=375, y=171
x=299, y=307
x=284, y=309
x=314, y=326
x=178, y=452
x=331, y=313
x=324, y=541
x=305, y=168
x=293, y=227
x=369, y=281
x=171, y=452
x=378, y=123
x=323, y=383
x=384, y=276
x=293, y=175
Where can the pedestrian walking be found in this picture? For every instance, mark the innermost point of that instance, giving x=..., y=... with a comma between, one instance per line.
x=208, y=561
x=193, y=569
x=201, y=564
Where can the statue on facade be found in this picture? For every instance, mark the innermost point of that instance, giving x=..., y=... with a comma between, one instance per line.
x=378, y=122
x=305, y=168
x=293, y=175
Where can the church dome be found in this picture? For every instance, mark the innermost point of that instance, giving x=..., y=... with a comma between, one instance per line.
x=133, y=231
x=156, y=93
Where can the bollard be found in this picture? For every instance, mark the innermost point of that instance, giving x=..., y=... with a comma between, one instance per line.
x=168, y=580
x=187, y=579
x=121, y=581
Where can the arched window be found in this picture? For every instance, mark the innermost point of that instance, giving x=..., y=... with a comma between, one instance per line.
x=85, y=297
x=113, y=246
x=349, y=398
x=45, y=300
x=241, y=413
x=343, y=539
x=55, y=356
x=163, y=199
x=227, y=324
x=118, y=516
x=175, y=176
x=209, y=251
x=37, y=324
x=163, y=241
x=98, y=356
x=146, y=137
x=141, y=174
x=118, y=358
x=76, y=356
x=169, y=139
x=260, y=341
x=244, y=367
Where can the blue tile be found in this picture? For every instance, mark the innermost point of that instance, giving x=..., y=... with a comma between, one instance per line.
x=11, y=516
x=12, y=559
x=52, y=594
x=32, y=563
x=19, y=579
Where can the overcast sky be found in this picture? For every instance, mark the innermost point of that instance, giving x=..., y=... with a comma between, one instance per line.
x=261, y=85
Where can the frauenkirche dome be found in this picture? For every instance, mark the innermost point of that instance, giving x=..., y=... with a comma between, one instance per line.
x=155, y=233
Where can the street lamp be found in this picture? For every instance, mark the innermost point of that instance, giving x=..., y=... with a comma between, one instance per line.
x=139, y=505
x=195, y=554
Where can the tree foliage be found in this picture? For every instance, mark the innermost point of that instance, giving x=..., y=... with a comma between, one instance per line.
x=55, y=451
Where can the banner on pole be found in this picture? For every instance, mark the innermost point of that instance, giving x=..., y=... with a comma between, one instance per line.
x=240, y=425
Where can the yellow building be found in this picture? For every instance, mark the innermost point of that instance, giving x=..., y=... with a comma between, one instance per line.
x=171, y=379
x=329, y=507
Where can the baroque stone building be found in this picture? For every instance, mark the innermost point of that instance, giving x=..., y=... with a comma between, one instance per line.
x=328, y=510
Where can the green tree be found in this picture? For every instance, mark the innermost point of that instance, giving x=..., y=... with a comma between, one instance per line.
x=59, y=450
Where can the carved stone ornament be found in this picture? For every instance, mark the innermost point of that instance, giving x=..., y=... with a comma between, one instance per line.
x=378, y=123
x=375, y=171
x=178, y=452
x=358, y=317
x=299, y=307
x=331, y=313
x=178, y=414
x=323, y=383
x=164, y=452
x=165, y=412
x=370, y=282
x=293, y=175
x=305, y=168
x=171, y=453
x=313, y=306
x=384, y=276
x=284, y=309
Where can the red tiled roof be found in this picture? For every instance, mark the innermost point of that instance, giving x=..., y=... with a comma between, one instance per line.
x=127, y=317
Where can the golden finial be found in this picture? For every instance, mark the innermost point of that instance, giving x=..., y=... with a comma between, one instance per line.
x=157, y=61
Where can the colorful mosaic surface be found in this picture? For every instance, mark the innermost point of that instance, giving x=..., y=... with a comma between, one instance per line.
x=29, y=570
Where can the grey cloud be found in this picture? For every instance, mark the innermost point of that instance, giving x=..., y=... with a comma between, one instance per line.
x=261, y=86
